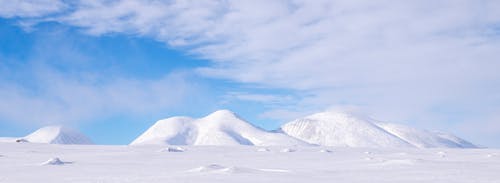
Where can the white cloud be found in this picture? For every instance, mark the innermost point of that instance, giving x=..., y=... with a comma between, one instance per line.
x=396, y=59
x=264, y=98
x=484, y=130
x=284, y=115
x=30, y=8
x=57, y=98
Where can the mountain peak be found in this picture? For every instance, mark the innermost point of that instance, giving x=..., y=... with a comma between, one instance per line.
x=337, y=113
x=223, y=113
x=55, y=129
x=223, y=117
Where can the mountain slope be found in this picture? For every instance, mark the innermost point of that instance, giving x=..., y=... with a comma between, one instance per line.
x=57, y=135
x=423, y=138
x=222, y=127
x=333, y=128
x=341, y=129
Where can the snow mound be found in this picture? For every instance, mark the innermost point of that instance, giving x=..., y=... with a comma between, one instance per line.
x=215, y=168
x=288, y=150
x=263, y=150
x=235, y=169
x=57, y=135
x=441, y=154
x=325, y=151
x=54, y=161
x=208, y=168
x=222, y=127
x=334, y=128
x=489, y=155
x=173, y=149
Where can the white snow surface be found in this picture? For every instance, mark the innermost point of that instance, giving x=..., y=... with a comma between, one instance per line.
x=335, y=128
x=222, y=127
x=21, y=163
x=57, y=135
x=8, y=139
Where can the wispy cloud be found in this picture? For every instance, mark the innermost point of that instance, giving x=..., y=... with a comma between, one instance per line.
x=30, y=8
x=57, y=80
x=57, y=98
x=263, y=98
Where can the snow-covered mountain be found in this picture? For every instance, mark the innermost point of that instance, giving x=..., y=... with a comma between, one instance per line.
x=331, y=128
x=424, y=139
x=334, y=128
x=57, y=135
x=222, y=127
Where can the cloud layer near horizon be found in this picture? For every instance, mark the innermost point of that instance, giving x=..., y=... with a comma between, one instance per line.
x=417, y=61
x=56, y=98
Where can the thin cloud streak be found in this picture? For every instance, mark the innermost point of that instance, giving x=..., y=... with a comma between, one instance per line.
x=30, y=8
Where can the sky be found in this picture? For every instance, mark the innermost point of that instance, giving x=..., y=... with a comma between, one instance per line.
x=112, y=68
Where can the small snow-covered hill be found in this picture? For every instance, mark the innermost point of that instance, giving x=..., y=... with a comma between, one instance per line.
x=334, y=128
x=57, y=135
x=222, y=127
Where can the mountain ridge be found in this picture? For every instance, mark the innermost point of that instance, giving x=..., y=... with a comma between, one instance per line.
x=222, y=127
x=335, y=128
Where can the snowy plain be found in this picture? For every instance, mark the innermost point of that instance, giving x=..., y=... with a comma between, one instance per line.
x=32, y=162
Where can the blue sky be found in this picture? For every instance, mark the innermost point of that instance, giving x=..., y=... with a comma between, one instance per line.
x=112, y=68
x=67, y=52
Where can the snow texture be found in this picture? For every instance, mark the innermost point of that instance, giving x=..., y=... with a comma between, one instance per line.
x=222, y=127
x=53, y=161
x=333, y=128
x=8, y=139
x=173, y=149
x=57, y=135
x=215, y=168
x=21, y=163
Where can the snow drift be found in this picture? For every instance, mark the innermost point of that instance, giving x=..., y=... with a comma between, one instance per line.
x=222, y=127
x=54, y=161
x=334, y=128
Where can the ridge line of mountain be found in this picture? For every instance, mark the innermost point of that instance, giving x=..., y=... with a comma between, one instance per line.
x=224, y=127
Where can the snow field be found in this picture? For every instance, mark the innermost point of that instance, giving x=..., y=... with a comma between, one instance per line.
x=97, y=163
